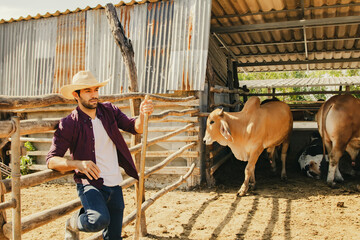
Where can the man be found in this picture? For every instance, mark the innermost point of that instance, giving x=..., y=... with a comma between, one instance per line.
x=97, y=149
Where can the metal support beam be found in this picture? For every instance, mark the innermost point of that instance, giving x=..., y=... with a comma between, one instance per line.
x=225, y=46
x=302, y=10
x=306, y=49
x=291, y=42
x=296, y=24
x=297, y=53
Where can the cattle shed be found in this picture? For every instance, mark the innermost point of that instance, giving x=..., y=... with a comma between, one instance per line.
x=183, y=48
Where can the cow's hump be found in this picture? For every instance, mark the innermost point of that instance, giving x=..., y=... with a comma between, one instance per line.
x=252, y=104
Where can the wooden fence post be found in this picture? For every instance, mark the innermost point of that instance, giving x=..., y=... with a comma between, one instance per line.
x=141, y=178
x=2, y=212
x=127, y=52
x=15, y=182
x=210, y=76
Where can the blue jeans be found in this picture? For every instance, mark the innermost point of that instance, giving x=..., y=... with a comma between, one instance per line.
x=102, y=209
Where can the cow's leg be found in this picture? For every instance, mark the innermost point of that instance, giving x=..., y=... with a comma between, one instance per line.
x=252, y=181
x=271, y=153
x=328, y=146
x=338, y=177
x=284, y=149
x=353, y=152
x=249, y=172
x=334, y=157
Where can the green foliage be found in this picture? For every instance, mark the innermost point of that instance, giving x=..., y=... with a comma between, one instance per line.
x=300, y=74
x=29, y=146
x=27, y=161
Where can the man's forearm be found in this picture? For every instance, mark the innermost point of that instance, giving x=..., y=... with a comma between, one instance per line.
x=62, y=164
x=86, y=167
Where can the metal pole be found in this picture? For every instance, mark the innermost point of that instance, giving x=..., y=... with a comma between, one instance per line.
x=15, y=180
x=142, y=174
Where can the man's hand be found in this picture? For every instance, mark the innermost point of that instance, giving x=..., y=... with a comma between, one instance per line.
x=88, y=168
x=146, y=106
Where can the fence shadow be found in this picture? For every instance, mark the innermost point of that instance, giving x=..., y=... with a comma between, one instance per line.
x=189, y=225
x=226, y=220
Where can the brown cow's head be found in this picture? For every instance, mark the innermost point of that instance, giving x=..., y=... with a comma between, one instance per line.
x=217, y=129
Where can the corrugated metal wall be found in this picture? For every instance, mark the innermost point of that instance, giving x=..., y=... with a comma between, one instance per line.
x=189, y=51
x=27, y=51
x=170, y=41
x=70, y=48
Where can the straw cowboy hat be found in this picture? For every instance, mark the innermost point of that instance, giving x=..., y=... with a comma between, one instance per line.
x=81, y=80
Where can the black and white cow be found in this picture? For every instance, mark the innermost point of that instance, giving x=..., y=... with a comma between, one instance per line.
x=312, y=160
x=313, y=164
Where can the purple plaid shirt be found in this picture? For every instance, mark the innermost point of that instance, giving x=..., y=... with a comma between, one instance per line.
x=75, y=133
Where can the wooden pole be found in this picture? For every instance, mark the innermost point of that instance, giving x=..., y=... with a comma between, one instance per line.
x=3, y=218
x=142, y=175
x=15, y=182
x=127, y=52
x=230, y=82
x=210, y=76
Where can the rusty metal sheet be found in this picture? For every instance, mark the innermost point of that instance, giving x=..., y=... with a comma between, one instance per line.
x=170, y=41
x=27, y=52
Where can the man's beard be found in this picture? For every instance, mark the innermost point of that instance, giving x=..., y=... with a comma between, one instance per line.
x=89, y=105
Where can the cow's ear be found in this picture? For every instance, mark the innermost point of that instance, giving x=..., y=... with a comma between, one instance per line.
x=221, y=112
x=225, y=130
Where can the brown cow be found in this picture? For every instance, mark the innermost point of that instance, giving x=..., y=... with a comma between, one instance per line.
x=250, y=131
x=339, y=125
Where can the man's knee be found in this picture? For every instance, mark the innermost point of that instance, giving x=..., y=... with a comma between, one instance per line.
x=97, y=222
x=101, y=223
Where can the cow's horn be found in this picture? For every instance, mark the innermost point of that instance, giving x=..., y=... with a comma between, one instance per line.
x=221, y=112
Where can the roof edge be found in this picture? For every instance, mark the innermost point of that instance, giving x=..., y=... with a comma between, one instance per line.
x=68, y=11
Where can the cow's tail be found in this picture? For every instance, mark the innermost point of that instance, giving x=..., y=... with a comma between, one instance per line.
x=324, y=114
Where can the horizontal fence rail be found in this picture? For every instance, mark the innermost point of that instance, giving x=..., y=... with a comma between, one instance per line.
x=40, y=126
x=11, y=103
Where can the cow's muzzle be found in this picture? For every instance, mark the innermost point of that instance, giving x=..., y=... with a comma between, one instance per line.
x=207, y=139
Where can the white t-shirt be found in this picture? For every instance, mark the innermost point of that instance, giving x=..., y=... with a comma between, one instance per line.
x=106, y=155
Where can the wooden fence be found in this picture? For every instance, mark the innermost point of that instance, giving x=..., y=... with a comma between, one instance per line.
x=12, y=130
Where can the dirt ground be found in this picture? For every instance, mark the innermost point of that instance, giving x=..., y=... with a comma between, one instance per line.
x=301, y=208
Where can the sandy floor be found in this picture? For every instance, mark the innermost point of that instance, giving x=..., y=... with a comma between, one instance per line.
x=302, y=208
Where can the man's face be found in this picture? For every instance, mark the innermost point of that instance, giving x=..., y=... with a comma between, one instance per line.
x=89, y=97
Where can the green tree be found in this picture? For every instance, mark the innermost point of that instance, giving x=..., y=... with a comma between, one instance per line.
x=300, y=74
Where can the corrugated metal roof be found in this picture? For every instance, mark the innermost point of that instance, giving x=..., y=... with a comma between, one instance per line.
x=170, y=41
x=301, y=82
x=68, y=11
x=278, y=35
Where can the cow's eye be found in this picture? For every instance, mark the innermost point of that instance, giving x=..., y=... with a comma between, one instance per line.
x=211, y=122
